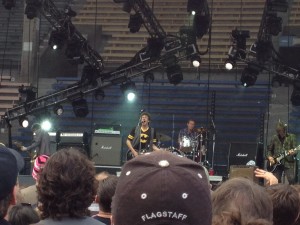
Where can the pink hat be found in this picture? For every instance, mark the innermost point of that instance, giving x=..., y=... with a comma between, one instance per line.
x=39, y=163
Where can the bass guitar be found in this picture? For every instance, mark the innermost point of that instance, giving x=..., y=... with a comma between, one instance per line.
x=272, y=166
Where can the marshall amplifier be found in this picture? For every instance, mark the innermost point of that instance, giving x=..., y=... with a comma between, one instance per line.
x=106, y=150
x=242, y=154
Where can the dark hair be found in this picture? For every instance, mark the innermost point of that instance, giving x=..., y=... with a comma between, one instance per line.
x=35, y=126
x=241, y=201
x=106, y=191
x=285, y=204
x=67, y=185
x=4, y=204
x=191, y=120
x=146, y=114
x=22, y=215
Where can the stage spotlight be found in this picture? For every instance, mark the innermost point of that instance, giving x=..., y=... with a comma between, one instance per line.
x=8, y=4
x=135, y=22
x=229, y=64
x=58, y=110
x=31, y=9
x=73, y=51
x=201, y=23
x=249, y=75
x=57, y=39
x=129, y=90
x=89, y=75
x=148, y=77
x=273, y=24
x=174, y=74
x=46, y=125
x=69, y=11
x=99, y=94
x=23, y=121
x=240, y=37
x=80, y=108
x=196, y=60
x=27, y=94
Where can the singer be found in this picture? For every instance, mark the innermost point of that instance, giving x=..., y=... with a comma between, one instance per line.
x=142, y=138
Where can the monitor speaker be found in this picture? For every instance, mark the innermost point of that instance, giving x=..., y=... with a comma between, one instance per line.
x=242, y=153
x=106, y=150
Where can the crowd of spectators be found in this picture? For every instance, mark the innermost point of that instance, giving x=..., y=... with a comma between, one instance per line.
x=159, y=188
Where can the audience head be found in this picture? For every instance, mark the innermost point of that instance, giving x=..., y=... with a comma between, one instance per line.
x=39, y=164
x=162, y=188
x=22, y=215
x=102, y=175
x=286, y=204
x=67, y=185
x=105, y=193
x=11, y=163
x=241, y=201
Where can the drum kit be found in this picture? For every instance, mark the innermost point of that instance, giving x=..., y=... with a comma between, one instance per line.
x=193, y=148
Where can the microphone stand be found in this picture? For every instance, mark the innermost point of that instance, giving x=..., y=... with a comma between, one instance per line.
x=214, y=140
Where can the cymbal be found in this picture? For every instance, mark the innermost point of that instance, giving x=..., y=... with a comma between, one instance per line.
x=201, y=130
x=163, y=137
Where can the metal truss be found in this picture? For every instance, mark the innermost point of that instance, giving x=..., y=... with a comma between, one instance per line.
x=83, y=88
x=150, y=22
x=62, y=22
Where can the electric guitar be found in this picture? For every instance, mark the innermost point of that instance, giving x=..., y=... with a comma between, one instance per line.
x=271, y=167
x=130, y=156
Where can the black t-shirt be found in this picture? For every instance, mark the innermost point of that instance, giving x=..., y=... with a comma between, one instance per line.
x=145, y=138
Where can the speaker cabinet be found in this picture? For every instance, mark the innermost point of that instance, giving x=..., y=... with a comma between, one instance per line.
x=106, y=150
x=242, y=153
x=243, y=171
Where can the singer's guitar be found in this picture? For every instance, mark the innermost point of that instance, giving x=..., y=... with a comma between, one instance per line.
x=130, y=156
x=271, y=167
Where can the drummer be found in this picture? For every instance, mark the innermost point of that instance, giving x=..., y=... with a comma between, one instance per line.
x=188, y=134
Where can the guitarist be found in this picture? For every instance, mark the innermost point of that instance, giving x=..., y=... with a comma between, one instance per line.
x=280, y=142
x=142, y=138
x=40, y=143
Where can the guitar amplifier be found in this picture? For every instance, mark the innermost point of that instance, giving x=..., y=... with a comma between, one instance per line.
x=106, y=150
x=243, y=153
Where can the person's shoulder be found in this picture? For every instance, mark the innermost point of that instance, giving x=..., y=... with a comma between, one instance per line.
x=92, y=221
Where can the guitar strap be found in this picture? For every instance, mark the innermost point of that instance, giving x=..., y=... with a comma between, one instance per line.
x=135, y=140
x=151, y=139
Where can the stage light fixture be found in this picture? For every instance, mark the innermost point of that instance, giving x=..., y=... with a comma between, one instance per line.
x=80, y=107
x=57, y=39
x=174, y=74
x=129, y=90
x=8, y=4
x=46, y=125
x=240, y=37
x=249, y=75
x=27, y=94
x=273, y=24
x=23, y=121
x=229, y=64
x=89, y=75
x=201, y=23
x=193, y=13
x=58, y=109
x=31, y=9
x=73, y=51
x=148, y=77
x=99, y=94
x=135, y=23
x=196, y=60
x=69, y=11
